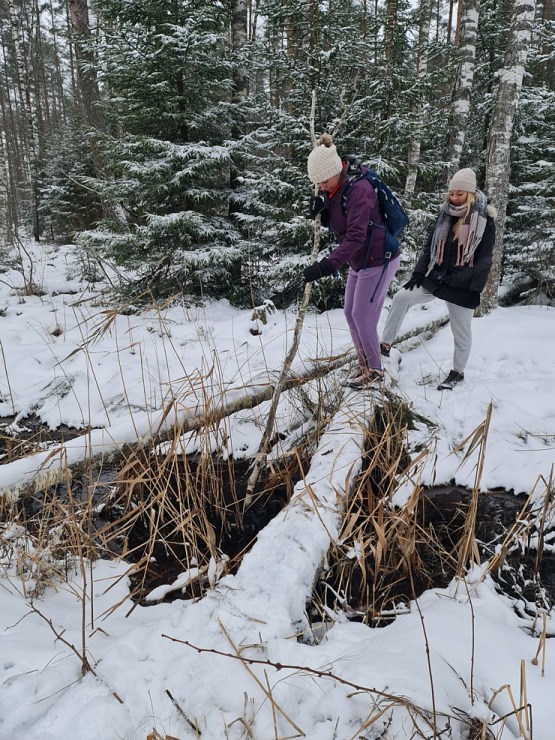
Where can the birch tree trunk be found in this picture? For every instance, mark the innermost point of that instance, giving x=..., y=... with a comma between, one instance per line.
x=450, y=21
x=19, y=22
x=413, y=157
x=498, y=157
x=460, y=105
x=5, y=232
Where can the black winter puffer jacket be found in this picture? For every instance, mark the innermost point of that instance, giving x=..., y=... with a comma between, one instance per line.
x=459, y=285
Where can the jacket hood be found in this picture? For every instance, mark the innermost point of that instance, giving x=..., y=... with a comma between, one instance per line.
x=492, y=211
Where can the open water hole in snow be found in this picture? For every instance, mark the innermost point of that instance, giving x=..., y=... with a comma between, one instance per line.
x=166, y=523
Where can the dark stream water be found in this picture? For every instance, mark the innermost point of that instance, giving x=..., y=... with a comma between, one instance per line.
x=223, y=528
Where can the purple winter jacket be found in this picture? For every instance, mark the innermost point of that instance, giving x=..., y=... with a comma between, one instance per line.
x=351, y=228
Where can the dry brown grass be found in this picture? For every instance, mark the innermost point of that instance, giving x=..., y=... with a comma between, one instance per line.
x=381, y=549
x=387, y=555
x=164, y=511
x=162, y=506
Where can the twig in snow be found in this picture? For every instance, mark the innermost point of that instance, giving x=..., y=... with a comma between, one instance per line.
x=192, y=725
x=85, y=665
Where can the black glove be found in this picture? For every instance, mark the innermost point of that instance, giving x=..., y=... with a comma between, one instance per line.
x=318, y=270
x=416, y=279
x=315, y=205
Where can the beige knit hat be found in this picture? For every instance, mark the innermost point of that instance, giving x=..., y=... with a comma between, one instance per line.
x=324, y=161
x=463, y=180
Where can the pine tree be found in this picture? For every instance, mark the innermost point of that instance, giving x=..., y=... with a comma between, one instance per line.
x=196, y=179
x=67, y=205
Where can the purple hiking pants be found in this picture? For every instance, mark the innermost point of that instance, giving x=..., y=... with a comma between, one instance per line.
x=362, y=315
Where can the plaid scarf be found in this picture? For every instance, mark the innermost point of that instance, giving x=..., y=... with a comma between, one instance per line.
x=470, y=233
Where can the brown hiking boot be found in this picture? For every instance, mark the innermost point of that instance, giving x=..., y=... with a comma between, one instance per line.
x=367, y=379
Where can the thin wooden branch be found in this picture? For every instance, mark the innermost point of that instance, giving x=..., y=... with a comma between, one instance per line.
x=262, y=453
x=287, y=666
x=85, y=664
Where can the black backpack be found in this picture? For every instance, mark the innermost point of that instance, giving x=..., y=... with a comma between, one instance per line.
x=394, y=216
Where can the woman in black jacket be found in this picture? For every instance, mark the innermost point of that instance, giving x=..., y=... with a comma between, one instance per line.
x=454, y=266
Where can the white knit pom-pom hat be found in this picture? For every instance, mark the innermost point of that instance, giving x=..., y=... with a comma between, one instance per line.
x=324, y=161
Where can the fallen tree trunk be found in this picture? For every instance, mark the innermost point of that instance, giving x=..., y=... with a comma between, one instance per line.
x=109, y=446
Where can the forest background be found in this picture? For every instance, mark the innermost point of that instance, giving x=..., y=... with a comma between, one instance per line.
x=167, y=140
x=170, y=136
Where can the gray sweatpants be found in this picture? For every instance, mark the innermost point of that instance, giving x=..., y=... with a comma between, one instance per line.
x=460, y=321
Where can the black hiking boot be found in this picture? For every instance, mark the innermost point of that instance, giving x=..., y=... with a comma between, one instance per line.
x=451, y=380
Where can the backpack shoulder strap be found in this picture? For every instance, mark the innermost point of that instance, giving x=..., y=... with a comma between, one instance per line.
x=353, y=174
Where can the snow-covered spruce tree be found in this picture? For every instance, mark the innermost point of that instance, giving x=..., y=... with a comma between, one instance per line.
x=363, y=98
x=207, y=169
x=529, y=255
x=67, y=206
x=164, y=73
x=301, y=47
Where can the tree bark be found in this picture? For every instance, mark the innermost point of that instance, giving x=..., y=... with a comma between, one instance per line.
x=391, y=10
x=86, y=75
x=547, y=11
x=11, y=160
x=413, y=158
x=498, y=158
x=460, y=104
x=239, y=38
x=18, y=21
x=5, y=231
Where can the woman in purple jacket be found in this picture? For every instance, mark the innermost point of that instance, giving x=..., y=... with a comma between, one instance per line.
x=350, y=207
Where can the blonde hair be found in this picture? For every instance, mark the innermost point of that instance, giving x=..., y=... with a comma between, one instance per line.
x=470, y=200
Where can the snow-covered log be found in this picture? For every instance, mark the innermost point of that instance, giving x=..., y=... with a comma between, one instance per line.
x=110, y=445
x=276, y=581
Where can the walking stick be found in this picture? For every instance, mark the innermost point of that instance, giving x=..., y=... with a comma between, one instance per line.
x=262, y=453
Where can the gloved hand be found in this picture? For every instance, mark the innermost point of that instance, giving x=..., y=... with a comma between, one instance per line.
x=318, y=270
x=315, y=205
x=416, y=279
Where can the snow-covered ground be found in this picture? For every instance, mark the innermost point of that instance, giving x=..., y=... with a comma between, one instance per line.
x=67, y=358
